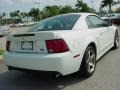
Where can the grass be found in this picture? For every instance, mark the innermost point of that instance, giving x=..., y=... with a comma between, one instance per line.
x=1, y=52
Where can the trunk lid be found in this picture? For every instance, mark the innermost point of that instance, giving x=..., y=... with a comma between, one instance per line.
x=30, y=42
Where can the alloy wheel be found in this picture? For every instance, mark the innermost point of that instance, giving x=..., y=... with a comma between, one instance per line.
x=116, y=39
x=91, y=61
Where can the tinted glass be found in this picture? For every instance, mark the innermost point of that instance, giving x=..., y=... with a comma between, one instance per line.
x=89, y=24
x=62, y=22
x=96, y=21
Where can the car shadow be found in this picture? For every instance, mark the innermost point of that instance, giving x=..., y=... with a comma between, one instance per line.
x=14, y=80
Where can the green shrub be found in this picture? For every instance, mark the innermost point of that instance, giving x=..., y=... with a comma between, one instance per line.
x=1, y=52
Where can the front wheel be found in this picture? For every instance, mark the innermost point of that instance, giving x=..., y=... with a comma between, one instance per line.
x=89, y=62
x=116, y=40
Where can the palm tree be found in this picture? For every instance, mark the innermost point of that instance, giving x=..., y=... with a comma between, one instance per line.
x=35, y=14
x=1, y=17
x=105, y=3
x=24, y=15
x=82, y=7
x=79, y=5
x=16, y=15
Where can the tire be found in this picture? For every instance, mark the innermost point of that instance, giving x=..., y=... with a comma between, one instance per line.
x=88, y=64
x=116, y=40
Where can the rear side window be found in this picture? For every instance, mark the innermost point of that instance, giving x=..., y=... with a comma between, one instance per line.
x=61, y=22
x=95, y=22
x=89, y=24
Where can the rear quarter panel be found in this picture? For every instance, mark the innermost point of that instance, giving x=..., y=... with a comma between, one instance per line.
x=78, y=41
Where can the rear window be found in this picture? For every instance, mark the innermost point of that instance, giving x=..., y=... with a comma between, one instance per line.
x=61, y=22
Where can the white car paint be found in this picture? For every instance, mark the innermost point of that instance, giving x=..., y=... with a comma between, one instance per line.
x=77, y=40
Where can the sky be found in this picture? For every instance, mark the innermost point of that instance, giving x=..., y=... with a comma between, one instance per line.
x=26, y=5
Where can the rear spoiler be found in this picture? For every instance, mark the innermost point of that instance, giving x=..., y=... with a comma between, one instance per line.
x=25, y=35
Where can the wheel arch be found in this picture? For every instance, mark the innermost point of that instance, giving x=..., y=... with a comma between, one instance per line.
x=90, y=44
x=94, y=46
x=83, y=63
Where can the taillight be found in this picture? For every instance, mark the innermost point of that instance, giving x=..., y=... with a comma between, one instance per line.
x=8, y=45
x=56, y=46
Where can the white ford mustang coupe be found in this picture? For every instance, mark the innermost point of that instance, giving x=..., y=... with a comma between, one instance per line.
x=64, y=44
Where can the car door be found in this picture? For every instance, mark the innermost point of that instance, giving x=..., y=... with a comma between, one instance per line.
x=100, y=31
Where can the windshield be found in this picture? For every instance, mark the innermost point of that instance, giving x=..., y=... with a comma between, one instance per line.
x=61, y=22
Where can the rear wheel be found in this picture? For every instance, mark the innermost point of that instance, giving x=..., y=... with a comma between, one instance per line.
x=116, y=40
x=89, y=62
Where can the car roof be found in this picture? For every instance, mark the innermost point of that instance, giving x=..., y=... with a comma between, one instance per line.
x=82, y=14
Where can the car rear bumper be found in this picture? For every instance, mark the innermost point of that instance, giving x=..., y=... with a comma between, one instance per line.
x=33, y=71
x=64, y=63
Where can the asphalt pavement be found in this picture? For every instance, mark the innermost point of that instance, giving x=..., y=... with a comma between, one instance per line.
x=106, y=77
